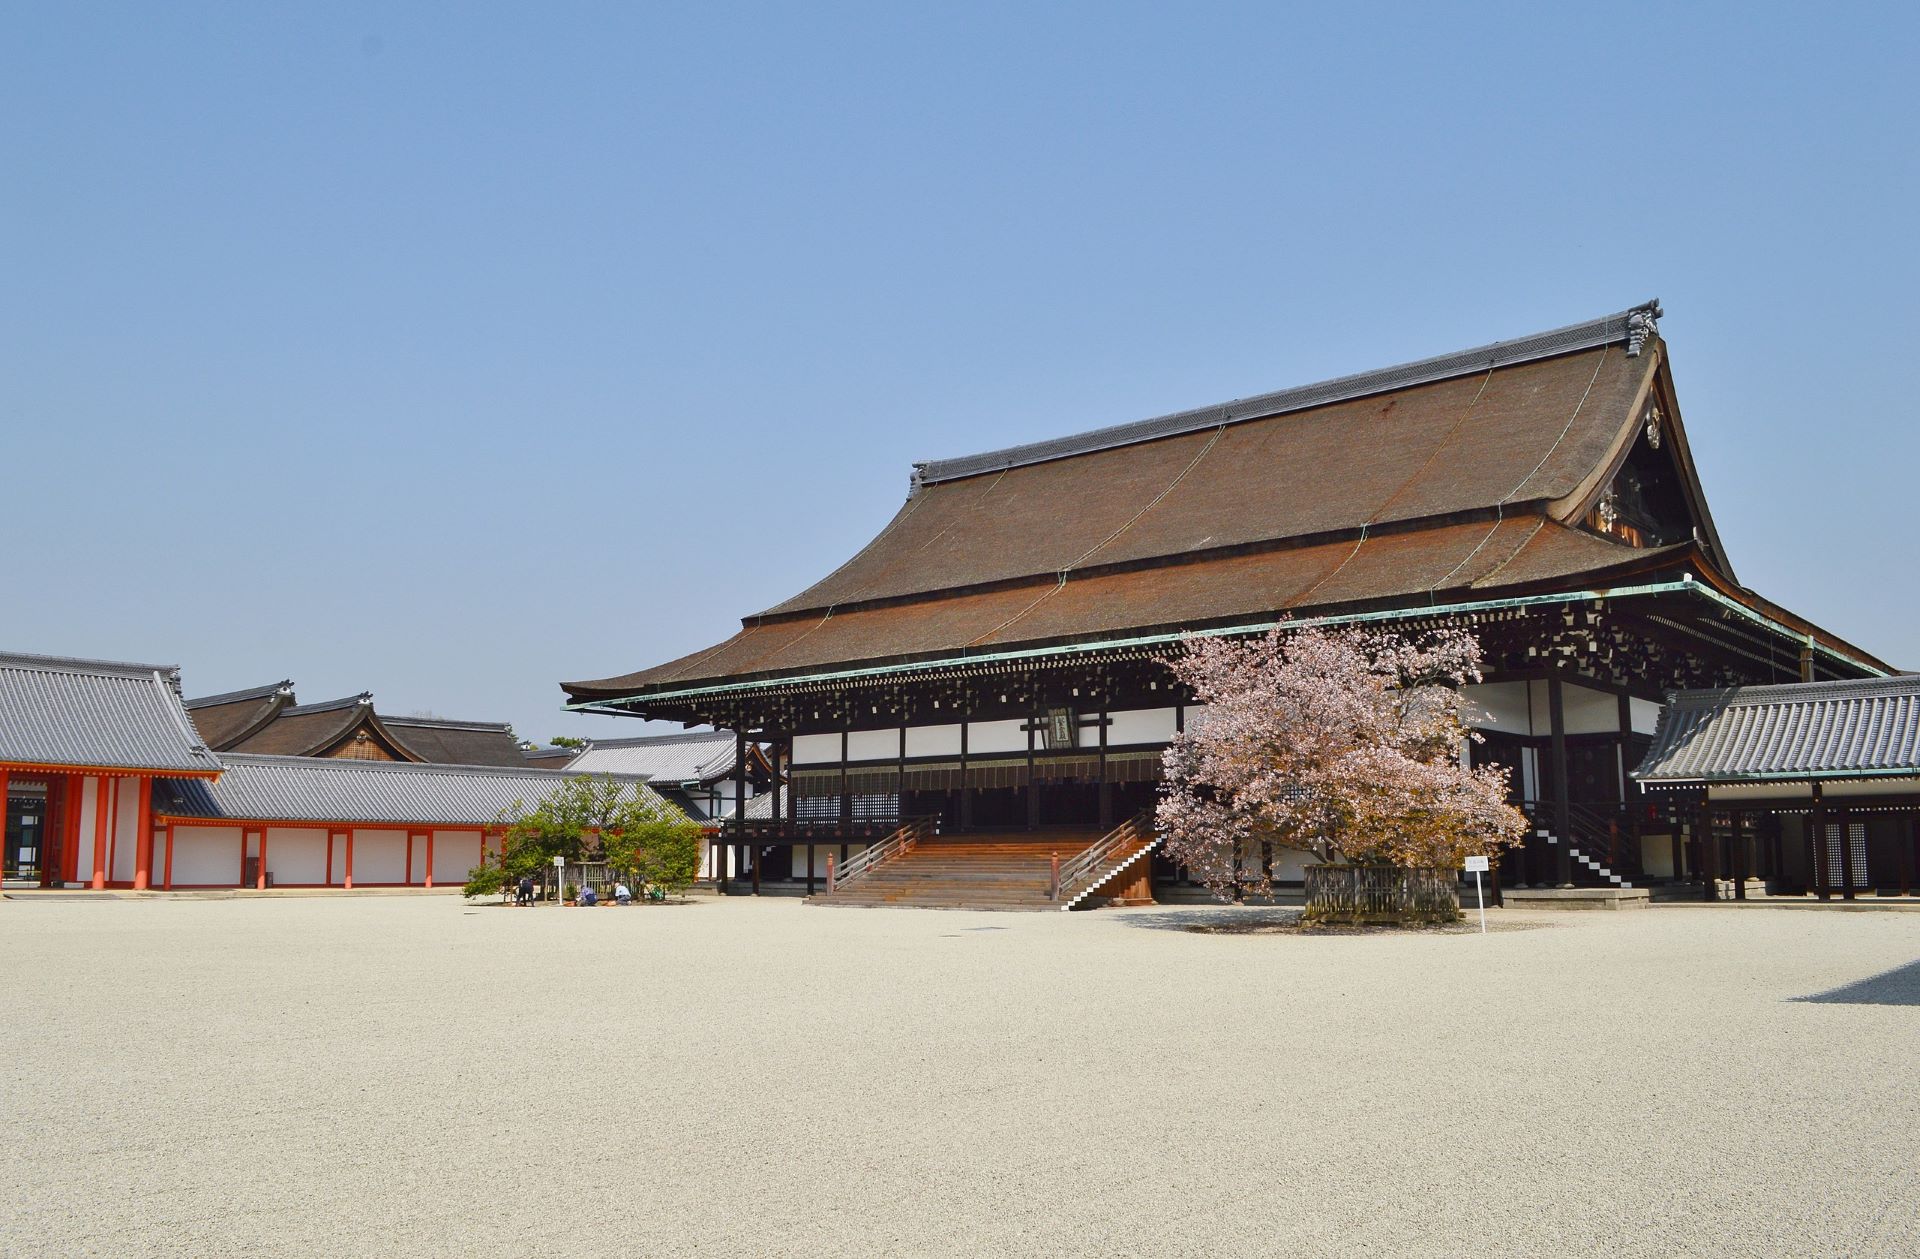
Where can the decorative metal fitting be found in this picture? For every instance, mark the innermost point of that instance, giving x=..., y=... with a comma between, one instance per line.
x=1653, y=425
x=1642, y=326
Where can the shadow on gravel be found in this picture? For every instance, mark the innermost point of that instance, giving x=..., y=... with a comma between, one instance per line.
x=1230, y=920
x=1899, y=986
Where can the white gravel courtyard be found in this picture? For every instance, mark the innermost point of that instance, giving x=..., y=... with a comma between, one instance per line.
x=416, y=1076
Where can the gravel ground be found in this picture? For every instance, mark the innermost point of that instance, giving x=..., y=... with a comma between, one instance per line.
x=409, y=1076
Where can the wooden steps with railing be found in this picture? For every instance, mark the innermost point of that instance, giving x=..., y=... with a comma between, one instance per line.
x=1008, y=870
x=1115, y=866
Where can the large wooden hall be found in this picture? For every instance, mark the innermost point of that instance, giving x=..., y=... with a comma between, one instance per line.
x=986, y=680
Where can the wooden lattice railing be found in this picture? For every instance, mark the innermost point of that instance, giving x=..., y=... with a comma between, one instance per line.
x=1091, y=862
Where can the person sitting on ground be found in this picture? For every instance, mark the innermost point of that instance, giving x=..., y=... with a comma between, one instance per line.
x=622, y=894
x=587, y=897
x=524, y=894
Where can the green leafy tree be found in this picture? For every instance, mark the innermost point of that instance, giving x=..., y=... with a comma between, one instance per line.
x=589, y=817
x=566, y=741
x=652, y=840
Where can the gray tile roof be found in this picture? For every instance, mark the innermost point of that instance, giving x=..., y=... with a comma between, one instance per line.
x=667, y=758
x=1853, y=729
x=1631, y=326
x=310, y=789
x=58, y=711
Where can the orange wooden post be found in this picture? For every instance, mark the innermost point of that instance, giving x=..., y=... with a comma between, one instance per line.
x=99, y=833
x=349, y=881
x=830, y=874
x=260, y=875
x=166, y=878
x=429, y=858
x=143, y=846
x=1053, y=889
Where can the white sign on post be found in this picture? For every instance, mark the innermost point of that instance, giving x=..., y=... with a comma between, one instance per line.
x=559, y=865
x=1477, y=866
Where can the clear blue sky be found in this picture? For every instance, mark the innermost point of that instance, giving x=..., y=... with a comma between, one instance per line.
x=448, y=351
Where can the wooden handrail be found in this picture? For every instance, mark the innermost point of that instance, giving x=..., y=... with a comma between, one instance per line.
x=904, y=837
x=1087, y=863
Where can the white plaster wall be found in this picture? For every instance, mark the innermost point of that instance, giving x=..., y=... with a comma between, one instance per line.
x=1197, y=716
x=934, y=740
x=89, y=802
x=1141, y=725
x=1587, y=711
x=296, y=855
x=985, y=738
x=820, y=854
x=123, y=805
x=454, y=853
x=816, y=749
x=1656, y=856
x=1501, y=706
x=1645, y=715
x=206, y=856
x=873, y=745
x=379, y=856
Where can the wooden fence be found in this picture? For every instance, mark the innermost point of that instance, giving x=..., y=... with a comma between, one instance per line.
x=1382, y=894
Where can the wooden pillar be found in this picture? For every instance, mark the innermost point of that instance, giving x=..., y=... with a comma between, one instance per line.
x=260, y=874
x=46, y=820
x=328, y=880
x=1105, y=788
x=1708, y=869
x=753, y=863
x=900, y=776
x=429, y=878
x=1817, y=836
x=846, y=797
x=1033, y=788
x=740, y=779
x=1562, y=808
x=966, y=786
x=1907, y=851
x=166, y=874
x=1846, y=856
x=349, y=880
x=774, y=811
x=143, y=845
x=809, y=869
x=1739, y=858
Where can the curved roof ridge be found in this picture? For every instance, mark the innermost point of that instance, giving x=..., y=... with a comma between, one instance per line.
x=363, y=699
x=234, y=697
x=1632, y=326
x=81, y=664
x=450, y=723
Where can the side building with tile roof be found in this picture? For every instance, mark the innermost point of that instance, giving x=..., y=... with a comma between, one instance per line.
x=109, y=784
x=1804, y=788
x=83, y=744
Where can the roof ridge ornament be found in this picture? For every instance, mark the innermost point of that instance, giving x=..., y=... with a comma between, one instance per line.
x=1642, y=326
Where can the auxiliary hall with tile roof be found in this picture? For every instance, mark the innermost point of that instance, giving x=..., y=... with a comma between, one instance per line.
x=109, y=783
x=996, y=657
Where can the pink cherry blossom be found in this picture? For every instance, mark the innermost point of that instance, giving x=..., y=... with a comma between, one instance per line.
x=1344, y=743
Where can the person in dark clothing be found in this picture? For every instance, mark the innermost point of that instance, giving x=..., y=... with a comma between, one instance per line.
x=524, y=895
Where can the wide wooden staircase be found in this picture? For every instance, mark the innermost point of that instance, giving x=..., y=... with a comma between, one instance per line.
x=1006, y=870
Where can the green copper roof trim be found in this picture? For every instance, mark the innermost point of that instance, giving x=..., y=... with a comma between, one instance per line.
x=1783, y=776
x=1255, y=627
